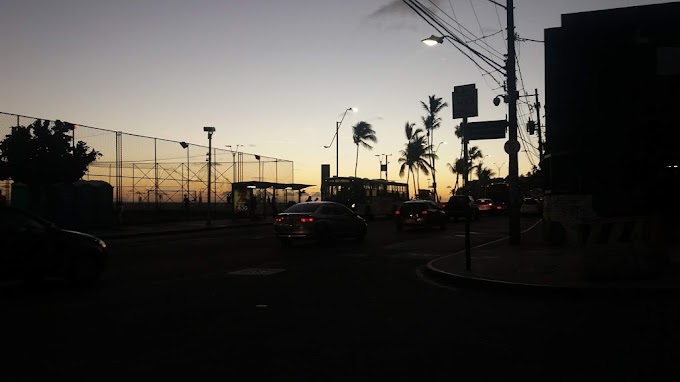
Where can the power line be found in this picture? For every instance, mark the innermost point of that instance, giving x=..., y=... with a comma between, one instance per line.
x=488, y=47
x=499, y=23
x=452, y=35
x=486, y=36
x=523, y=39
x=419, y=11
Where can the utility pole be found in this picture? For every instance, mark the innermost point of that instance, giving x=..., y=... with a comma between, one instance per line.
x=337, y=148
x=538, y=126
x=210, y=130
x=512, y=146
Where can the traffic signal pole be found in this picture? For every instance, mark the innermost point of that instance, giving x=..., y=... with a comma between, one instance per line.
x=512, y=147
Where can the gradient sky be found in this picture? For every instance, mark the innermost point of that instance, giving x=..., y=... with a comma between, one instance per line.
x=274, y=74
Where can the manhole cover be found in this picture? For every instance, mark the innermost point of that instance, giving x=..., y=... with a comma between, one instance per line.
x=257, y=271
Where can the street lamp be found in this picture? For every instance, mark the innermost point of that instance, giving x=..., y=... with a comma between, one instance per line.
x=234, y=151
x=186, y=146
x=210, y=130
x=337, y=140
x=499, y=167
x=512, y=145
x=433, y=40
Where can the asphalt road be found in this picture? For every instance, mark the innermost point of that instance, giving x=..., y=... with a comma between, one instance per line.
x=235, y=305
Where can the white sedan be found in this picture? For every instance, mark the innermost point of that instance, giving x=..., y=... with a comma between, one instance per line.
x=530, y=206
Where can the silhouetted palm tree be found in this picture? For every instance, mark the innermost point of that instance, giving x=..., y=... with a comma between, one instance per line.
x=433, y=106
x=460, y=168
x=361, y=133
x=415, y=157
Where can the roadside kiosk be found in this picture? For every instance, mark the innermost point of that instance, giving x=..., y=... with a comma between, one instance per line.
x=250, y=199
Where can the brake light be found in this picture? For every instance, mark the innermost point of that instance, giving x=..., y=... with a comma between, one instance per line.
x=424, y=212
x=397, y=212
x=491, y=204
x=309, y=219
x=279, y=219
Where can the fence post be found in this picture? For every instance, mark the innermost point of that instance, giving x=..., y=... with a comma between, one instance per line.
x=155, y=169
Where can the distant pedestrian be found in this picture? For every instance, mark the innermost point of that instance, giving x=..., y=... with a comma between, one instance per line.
x=274, y=209
x=3, y=199
x=309, y=198
x=252, y=206
x=186, y=201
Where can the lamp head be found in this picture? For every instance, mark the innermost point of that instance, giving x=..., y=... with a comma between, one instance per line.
x=354, y=109
x=184, y=145
x=209, y=129
x=433, y=40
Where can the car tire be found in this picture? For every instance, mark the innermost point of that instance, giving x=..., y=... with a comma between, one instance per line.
x=83, y=270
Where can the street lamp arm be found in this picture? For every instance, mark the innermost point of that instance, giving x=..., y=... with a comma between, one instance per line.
x=332, y=140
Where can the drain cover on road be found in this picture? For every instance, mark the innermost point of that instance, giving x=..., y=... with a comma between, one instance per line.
x=257, y=271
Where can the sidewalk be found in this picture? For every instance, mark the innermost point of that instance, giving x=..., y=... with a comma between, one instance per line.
x=173, y=227
x=536, y=265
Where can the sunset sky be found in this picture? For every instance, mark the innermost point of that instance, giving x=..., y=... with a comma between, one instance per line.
x=272, y=75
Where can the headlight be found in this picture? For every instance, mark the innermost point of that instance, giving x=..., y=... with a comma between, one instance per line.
x=101, y=243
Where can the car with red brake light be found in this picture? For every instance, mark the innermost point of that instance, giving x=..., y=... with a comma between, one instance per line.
x=485, y=206
x=321, y=221
x=420, y=213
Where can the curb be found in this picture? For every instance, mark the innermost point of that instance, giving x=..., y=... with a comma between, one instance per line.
x=112, y=236
x=463, y=280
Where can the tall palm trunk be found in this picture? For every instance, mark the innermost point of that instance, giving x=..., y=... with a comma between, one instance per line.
x=408, y=177
x=356, y=163
x=415, y=188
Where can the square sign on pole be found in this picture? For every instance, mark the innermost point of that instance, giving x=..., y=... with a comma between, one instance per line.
x=464, y=101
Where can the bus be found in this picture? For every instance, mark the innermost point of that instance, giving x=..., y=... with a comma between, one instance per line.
x=371, y=198
x=500, y=194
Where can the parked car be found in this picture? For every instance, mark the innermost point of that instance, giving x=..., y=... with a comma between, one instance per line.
x=460, y=206
x=531, y=206
x=321, y=221
x=485, y=206
x=420, y=213
x=34, y=248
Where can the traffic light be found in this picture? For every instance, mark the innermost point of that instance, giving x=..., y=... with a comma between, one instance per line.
x=531, y=127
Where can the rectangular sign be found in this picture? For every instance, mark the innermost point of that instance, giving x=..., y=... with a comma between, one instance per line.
x=383, y=167
x=485, y=130
x=464, y=101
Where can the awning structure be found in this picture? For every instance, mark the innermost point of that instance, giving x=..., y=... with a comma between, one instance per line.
x=276, y=186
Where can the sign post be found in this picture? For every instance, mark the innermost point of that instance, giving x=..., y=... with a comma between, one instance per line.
x=464, y=101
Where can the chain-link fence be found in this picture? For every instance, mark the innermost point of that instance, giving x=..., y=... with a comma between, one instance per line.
x=148, y=172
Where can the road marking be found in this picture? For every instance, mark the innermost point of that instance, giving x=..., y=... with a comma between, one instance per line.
x=257, y=271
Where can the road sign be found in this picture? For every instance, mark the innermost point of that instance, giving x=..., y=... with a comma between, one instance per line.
x=511, y=147
x=485, y=130
x=464, y=101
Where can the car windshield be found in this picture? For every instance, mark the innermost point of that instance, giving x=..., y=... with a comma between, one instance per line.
x=303, y=208
x=459, y=200
x=413, y=207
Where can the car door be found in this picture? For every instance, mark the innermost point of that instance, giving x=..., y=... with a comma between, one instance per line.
x=344, y=220
x=27, y=245
x=438, y=212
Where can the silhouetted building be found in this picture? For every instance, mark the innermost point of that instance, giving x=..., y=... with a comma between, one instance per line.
x=612, y=95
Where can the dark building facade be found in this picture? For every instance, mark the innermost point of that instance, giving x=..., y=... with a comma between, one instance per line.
x=612, y=109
